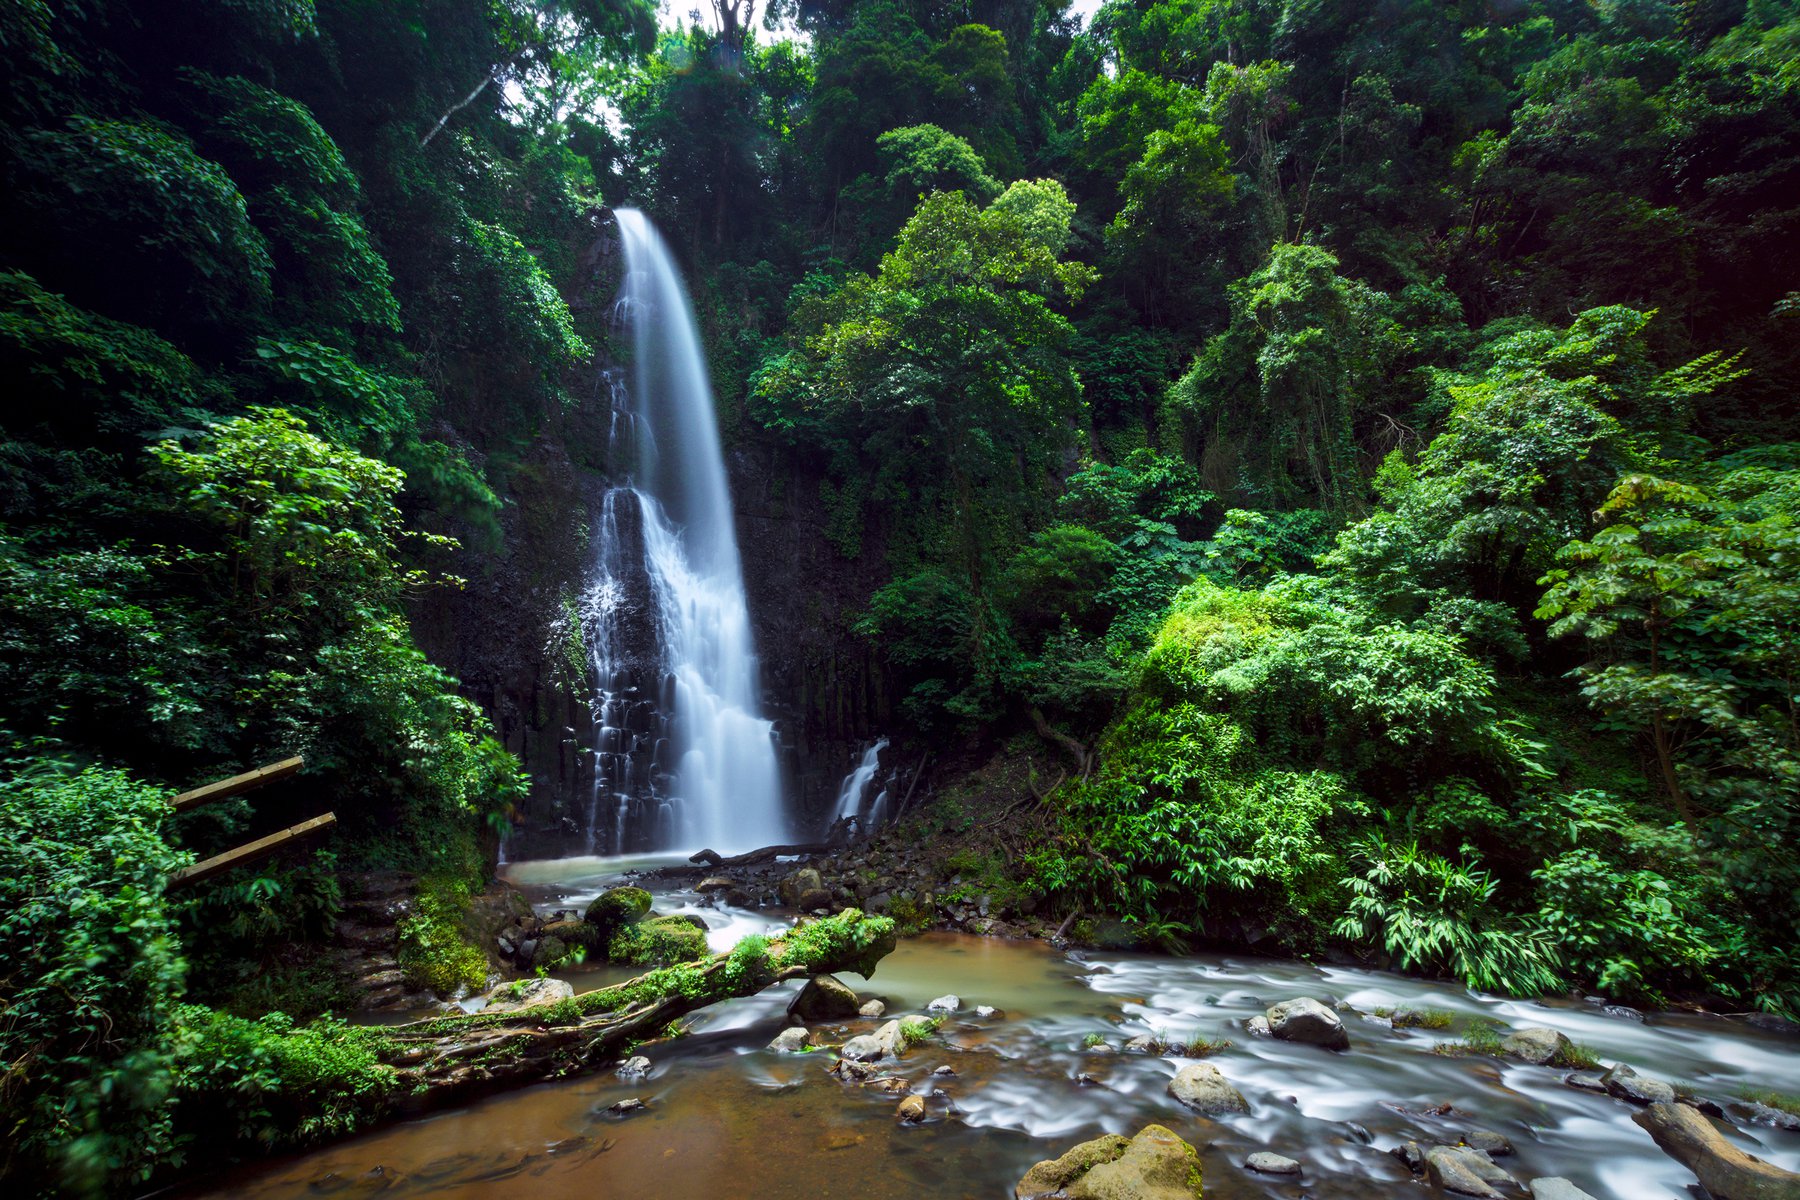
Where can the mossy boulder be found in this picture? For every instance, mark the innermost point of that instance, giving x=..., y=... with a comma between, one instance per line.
x=616, y=908
x=658, y=940
x=824, y=998
x=1154, y=1165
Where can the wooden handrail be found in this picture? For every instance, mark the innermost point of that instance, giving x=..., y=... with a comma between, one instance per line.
x=237, y=784
x=251, y=852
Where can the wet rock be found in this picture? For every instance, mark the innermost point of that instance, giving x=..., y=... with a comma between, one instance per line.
x=1202, y=1088
x=824, y=998
x=635, y=1067
x=872, y=1009
x=798, y=885
x=987, y=1012
x=791, y=1040
x=1586, y=1081
x=911, y=1110
x=527, y=993
x=1086, y=1080
x=1306, y=1020
x=1492, y=1144
x=893, y=1085
x=1464, y=1172
x=1534, y=1044
x=851, y=1071
x=615, y=907
x=1258, y=1026
x=945, y=1070
x=1143, y=1043
x=1773, y=1023
x=884, y=1042
x=623, y=1107
x=1623, y=1083
x=1763, y=1114
x=1723, y=1170
x=1265, y=1163
x=1154, y=1165
x=1556, y=1188
x=945, y=1004
x=715, y=883
x=1411, y=1156
x=1625, y=1012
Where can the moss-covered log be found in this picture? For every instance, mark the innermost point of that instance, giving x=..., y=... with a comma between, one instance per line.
x=449, y=1059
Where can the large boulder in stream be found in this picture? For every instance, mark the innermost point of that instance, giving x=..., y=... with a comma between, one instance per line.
x=1725, y=1171
x=1623, y=1083
x=1306, y=1020
x=824, y=998
x=614, y=908
x=522, y=994
x=1202, y=1088
x=1154, y=1165
x=1464, y=1172
x=1535, y=1045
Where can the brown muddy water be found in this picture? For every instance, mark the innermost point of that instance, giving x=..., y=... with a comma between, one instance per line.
x=726, y=1117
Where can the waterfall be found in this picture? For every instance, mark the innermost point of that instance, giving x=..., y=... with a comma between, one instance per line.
x=683, y=757
x=855, y=785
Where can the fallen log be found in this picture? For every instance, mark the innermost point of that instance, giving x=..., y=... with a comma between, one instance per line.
x=450, y=1060
x=712, y=858
x=1723, y=1170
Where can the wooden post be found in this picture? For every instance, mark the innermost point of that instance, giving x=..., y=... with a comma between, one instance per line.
x=255, y=851
x=237, y=784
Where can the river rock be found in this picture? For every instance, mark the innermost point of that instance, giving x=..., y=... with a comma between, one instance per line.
x=1586, y=1081
x=1534, y=1044
x=1492, y=1144
x=798, y=885
x=715, y=883
x=1411, y=1155
x=1463, y=1171
x=1202, y=1088
x=1265, y=1163
x=886, y=1041
x=911, y=1110
x=1258, y=1026
x=987, y=1012
x=621, y=1108
x=1143, y=1043
x=527, y=993
x=1154, y=1165
x=615, y=907
x=1556, y=1188
x=635, y=1067
x=948, y=1003
x=1623, y=1083
x=791, y=1040
x=872, y=1009
x=824, y=998
x=1306, y=1020
x=1723, y=1170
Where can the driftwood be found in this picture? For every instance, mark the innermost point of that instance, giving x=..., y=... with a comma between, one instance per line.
x=714, y=860
x=250, y=852
x=1724, y=1170
x=237, y=785
x=451, y=1059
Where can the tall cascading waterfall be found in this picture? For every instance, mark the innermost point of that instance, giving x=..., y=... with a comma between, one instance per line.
x=683, y=757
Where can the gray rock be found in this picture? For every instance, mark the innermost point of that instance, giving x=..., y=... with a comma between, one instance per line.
x=1411, y=1155
x=1585, y=1081
x=622, y=1107
x=791, y=1040
x=1625, y=1011
x=1265, y=1163
x=948, y=1003
x=1623, y=1083
x=715, y=883
x=872, y=1009
x=798, y=885
x=526, y=993
x=1556, y=1188
x=1464, y=1172
x=884, y=1042
x=635, y=1067
x=814, y=900
x=987, y=1011
x=1202, y=1088
x=1306, y=1020
x=1492, y=1144
x=1258, y=1026
x=824, y=998
x=945, y=1071
x=1535, y=1044
x=1143, y=1043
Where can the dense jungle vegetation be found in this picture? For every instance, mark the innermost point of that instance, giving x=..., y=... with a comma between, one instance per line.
x=1362, y=438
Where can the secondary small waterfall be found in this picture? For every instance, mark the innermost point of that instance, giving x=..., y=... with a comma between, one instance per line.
x=683, y=757
x=855, y=787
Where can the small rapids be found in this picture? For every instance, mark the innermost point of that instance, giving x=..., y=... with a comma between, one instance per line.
x=728, y=1118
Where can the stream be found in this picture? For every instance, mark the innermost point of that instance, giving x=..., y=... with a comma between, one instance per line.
x=726, y=1117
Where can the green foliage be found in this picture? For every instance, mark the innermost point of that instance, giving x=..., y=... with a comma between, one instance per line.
x=93, y=978
x=433, y=950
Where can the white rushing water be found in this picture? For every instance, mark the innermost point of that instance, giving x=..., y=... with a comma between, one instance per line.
x=684, y=756
x=853, y=790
